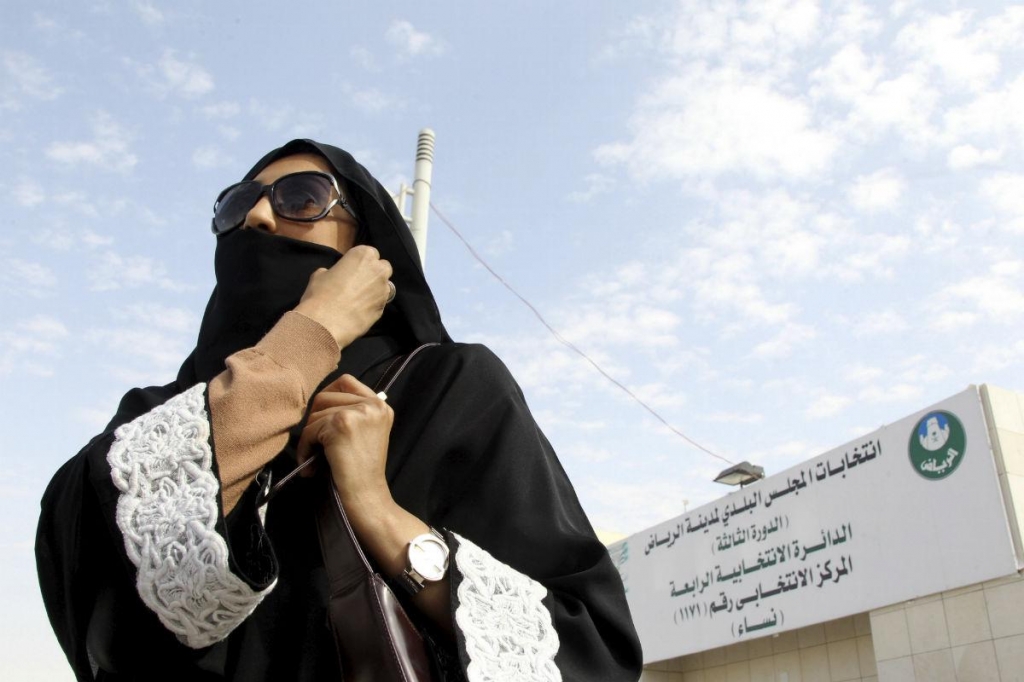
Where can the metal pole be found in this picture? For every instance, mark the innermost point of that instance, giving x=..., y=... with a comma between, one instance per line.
x=421, y=191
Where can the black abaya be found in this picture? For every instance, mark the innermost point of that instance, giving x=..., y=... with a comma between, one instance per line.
x=144, y=578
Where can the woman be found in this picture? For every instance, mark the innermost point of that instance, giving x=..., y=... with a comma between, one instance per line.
x=156, y=561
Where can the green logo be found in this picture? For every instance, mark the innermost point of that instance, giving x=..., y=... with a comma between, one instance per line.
x=937, y=445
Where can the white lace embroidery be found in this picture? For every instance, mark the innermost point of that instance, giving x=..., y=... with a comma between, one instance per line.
x=163, y=465
x=508, y=631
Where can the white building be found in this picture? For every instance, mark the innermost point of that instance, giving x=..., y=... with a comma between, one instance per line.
x=895, y=557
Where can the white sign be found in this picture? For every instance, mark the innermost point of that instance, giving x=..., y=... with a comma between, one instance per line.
x=909, y=510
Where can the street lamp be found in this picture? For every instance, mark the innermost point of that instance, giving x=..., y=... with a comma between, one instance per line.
x=741, y=474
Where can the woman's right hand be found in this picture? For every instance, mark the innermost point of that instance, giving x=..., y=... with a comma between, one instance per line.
x=350, y=296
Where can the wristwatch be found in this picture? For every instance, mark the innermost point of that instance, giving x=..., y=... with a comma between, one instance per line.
x=427, y=562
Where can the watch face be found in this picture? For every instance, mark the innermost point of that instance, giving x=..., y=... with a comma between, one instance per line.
x=428, y=556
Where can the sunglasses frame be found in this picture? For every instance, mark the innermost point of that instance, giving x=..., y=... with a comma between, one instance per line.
x=269, y=190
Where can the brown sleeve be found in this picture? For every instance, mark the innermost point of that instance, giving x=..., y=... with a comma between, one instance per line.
x=262, y=394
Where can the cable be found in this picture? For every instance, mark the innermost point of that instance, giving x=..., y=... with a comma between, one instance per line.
x=565, y=342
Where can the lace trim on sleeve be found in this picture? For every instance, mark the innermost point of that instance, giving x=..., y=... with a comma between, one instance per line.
x=162, y=463
x=508, y=631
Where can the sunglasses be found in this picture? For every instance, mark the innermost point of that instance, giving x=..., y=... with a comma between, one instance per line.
x=303, y=197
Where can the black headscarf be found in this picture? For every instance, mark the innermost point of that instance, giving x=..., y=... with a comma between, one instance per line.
x=259, y=277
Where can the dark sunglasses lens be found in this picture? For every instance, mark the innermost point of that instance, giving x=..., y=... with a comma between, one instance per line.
x=234, y=204
x=302, y=196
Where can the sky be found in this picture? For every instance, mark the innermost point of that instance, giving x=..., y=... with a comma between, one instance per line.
x=781, y=224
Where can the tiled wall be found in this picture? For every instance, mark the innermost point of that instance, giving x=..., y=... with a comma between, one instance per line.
x=837, y=651
x=973, y=634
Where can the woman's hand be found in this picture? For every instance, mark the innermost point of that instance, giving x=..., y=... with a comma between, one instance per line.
x=354, y=427
x=350, y=296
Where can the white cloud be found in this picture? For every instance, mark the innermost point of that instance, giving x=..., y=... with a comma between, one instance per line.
x=992, y=119
x=30, y=344
x=188, y=79
x=287, y=119
x=826, y=404
x=879, y=323
x=586, y=453
x=707, y=123
x=848, y=75
x=733, y=417
x=852, y=21
x=879, y=191
x=904, y=393
x=952, y=320
x=596, y=184
x=158, y=316
x=659, y=395
x=760, y=34
x=996, y=296
x=372, y=100
x=157, y=351
x=413, y=43
x=92, y=239
x=869, y=256
x=788, y=339
x=965, y=52
x=54, y=238
x=363, y=57
x=620, y=323
x=630, y=507
x=174, y=76
x=1005, y=192
x=500, y=243
x=905, y=103
x=114, y=271
x=210, y=156
x=148, y=12
x=109, y=149
x=221, y=110
x=968, y=156
x=28, y=193
x=862, y=374
x=33, y=279
x=992, y=358
x=25, y=77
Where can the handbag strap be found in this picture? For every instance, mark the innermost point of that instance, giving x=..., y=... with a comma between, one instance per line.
x=383, y=385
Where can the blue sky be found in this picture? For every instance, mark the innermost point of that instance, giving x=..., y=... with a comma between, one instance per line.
x=782, y=224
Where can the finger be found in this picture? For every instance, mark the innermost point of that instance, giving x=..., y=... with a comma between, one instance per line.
x=365, y=251
x=309, y=437
x=327, y=400
x=349, y=384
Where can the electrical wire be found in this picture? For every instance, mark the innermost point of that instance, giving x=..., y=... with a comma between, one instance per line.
x=565, y=342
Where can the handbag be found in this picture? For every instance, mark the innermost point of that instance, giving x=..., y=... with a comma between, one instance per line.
x=375, y=639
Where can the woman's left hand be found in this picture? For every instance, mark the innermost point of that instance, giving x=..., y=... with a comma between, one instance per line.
x=354, y=427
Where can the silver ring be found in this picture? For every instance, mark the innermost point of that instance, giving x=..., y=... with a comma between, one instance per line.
x=392, y=292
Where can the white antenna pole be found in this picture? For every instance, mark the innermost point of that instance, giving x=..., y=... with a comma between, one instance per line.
x=421, y=191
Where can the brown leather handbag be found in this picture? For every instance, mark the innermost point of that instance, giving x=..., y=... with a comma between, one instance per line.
x=375, y=639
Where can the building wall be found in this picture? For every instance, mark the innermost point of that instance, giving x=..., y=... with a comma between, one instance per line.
x=838, y=651
x=972, y=634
